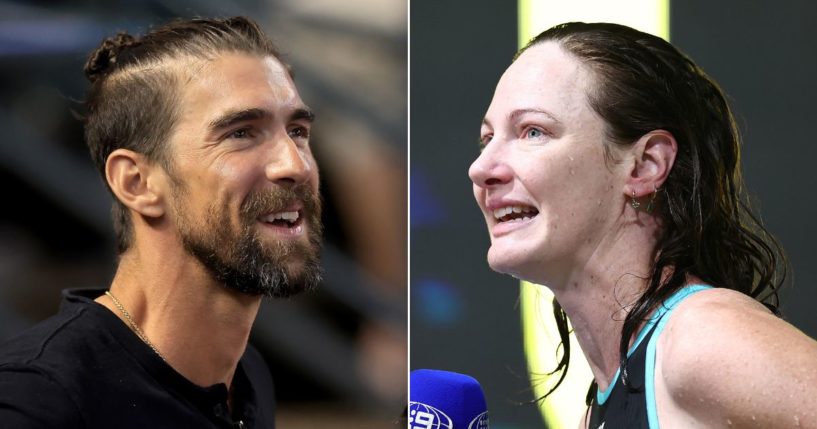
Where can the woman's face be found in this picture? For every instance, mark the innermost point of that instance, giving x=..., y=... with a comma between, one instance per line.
x=548, y=196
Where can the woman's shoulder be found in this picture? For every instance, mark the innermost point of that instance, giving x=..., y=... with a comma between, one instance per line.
x=725, y=357
x=709, y=334
x=718, y=306
x=722, y=319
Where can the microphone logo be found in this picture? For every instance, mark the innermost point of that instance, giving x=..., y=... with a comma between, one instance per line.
x=479, y=422
x=423, y=416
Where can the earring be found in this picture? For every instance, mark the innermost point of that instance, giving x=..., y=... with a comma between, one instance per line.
x=633, y=202
x=651, y=204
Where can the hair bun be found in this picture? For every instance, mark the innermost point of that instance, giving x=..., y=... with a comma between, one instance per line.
x=103, y=58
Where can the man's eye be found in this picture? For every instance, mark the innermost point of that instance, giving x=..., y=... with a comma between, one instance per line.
x=534, y=133
x=243, y=133
x=299, y=132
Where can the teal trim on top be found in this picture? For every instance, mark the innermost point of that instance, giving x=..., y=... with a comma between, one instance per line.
x=649, y=371
x=665, y=308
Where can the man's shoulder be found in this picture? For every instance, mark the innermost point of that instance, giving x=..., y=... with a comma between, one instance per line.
x=31, y=398
x=31, y=366
x=41, y=341
x=62, y=348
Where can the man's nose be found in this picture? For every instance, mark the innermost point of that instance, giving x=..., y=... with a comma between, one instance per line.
x=290, y=162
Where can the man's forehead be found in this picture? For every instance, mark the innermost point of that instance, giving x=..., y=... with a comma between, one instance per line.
x=236, y=81
x=233, y=69
x=198, y=67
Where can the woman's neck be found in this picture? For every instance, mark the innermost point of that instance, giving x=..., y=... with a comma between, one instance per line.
x=598, y=297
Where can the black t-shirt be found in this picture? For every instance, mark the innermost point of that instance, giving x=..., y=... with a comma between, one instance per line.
x=84, y=368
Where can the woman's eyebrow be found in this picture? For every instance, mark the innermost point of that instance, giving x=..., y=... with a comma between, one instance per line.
x=519, y=112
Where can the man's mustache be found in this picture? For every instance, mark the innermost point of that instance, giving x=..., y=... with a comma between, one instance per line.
x=276, y=199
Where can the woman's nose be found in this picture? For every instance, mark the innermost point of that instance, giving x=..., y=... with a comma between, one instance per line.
x=490, y=168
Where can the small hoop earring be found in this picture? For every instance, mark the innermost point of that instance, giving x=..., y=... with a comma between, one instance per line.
x=633, y=202
x=651, y=205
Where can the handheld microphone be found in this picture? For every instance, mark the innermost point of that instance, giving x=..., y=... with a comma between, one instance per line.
x=445, y=400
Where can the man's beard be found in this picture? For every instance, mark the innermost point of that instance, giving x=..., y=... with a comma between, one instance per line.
x=241, y=261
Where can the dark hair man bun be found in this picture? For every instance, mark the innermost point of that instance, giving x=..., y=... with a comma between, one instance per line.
x=103, y=59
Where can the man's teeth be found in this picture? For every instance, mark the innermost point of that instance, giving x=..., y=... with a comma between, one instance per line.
x=504, y=211
x=290, y=217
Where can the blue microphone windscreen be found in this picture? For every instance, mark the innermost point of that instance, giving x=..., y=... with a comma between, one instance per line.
x=445, y=400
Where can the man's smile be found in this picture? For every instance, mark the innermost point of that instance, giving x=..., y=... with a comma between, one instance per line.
x=287, y=222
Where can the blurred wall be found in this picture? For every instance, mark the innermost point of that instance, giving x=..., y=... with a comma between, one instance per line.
x=764, y=55
x=464, y=317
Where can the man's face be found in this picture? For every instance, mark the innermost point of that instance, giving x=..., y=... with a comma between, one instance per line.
x=244, y=183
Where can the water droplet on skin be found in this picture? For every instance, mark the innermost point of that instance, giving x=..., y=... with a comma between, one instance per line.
x=570, y=158
x=729, y=422
x=572, y=171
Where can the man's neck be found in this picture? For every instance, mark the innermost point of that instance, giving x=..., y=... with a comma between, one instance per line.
x=198, y=326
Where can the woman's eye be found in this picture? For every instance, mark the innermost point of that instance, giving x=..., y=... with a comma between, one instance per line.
x=484, y=140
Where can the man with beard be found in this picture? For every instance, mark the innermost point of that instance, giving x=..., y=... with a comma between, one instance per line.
x=203, y=140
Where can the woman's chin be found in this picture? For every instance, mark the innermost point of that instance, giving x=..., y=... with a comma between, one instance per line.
x=508, y=263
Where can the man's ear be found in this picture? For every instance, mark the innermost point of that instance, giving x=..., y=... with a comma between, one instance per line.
x=130, y=176
x=654, y=154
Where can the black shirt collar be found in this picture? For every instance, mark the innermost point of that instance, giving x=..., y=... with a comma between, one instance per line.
x=210, y=400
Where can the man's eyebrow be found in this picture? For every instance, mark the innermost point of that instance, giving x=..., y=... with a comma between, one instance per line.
x=233, y=117
x=303, y=113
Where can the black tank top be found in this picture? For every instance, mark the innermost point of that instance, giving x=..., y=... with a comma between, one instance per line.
x=625, y=408
x=630, y=407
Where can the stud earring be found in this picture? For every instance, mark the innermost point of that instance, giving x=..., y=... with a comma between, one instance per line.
x=633, y=202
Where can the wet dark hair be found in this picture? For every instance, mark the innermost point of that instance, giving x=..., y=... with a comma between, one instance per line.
x=134, y=96
x=642, y=83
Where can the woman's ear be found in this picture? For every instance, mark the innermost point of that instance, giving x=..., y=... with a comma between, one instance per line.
x=654, y=155
x=129, y=176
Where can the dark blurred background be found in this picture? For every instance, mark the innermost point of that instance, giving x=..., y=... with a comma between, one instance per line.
x=338, y=356
x=464, y=317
